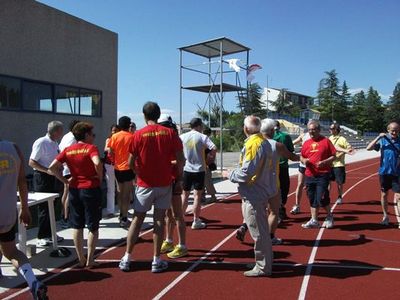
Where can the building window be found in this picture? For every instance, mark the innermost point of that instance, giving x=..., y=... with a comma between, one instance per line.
x=10, y=93
x=29, y=95
x=37, y=96
x=67, y=99
x=90, y=103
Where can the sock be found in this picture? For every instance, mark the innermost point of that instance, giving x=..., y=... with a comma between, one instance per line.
x=127, y=257
x=156, y=259
x=272, y=235
x=169, y=240
x=27, y=272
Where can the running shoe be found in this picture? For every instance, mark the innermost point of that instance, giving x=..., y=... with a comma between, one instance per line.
x=157, y=267
x=256, y=272
x=124, y=223
x=124, y=265
x=385, y=221
x=311, y=224
x=339, y=200
x=276, y=241
x=166, y=247
x=329, y=222
x=178, y=252
x=47, y=241
x=39, y=290
x=198, y=224
x=295, y=210
x=240, y=233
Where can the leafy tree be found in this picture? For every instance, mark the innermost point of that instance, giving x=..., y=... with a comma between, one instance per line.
x=329, y=96
x=251, y=104
x=374, y=111
x=358, y=114
x=343, y=112
x=282, y=104
x=393, y=106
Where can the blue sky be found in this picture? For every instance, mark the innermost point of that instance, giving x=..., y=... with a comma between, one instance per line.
x=294, y=41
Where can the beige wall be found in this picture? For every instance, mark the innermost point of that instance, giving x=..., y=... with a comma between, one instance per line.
x=41, y=43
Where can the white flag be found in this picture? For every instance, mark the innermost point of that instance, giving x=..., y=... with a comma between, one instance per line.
x=233, y=64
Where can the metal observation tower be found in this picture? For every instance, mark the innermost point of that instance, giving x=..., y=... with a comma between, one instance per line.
x=208, y=69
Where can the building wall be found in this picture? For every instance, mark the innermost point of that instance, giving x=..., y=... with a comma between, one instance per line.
x=45, y=44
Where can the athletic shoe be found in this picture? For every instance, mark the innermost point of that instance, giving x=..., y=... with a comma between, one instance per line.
x=124, y=265
x=39, y=291
x=339, y=200
x=166, y=247
x=311, y=224
x=198, y=224
x=157, y=267
x=240, y=233
x=385, y=221
x=124, y=223
x=329, y=222
x=276, y=241
x=295, y=210
x=256, y=272
x=178, y=252
x=47, y=241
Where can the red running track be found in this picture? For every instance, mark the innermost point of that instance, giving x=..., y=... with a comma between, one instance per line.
x=357, y=259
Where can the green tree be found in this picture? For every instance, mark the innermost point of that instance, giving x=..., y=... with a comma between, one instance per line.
x=251, y=104
x=358, y=114
x=329, y=95
x=392, y=111
x=344, y=104
x=374, y=111
x=282, y=104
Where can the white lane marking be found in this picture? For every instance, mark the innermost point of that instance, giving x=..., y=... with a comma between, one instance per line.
x=306, y=279
x=374, y=239
x=191, y=268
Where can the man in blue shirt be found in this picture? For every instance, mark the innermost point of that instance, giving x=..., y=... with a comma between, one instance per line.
x=389, y=170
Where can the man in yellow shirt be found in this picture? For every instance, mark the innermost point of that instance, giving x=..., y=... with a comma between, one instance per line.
x=338, y=165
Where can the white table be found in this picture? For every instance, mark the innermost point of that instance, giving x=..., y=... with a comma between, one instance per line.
x=35, y=198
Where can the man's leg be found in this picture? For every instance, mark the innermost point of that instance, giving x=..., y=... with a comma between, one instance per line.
x=256, y=220
x=384, y=203
x=197, y=204
x=274, y=204
x=180, y=221
x=77, y=235
x=158, y=230
x=284, y=180
x=185, y=197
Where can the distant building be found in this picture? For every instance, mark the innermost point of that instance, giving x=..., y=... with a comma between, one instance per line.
x=271, y=95
x=54, y=66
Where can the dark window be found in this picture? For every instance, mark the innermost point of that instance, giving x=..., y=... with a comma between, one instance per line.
x=37, y=96
x=10, y=92
x=90, y=103
x=67, y=99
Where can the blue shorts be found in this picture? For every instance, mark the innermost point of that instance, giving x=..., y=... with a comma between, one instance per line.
x=8, y=236
x=338, y=174
x=390, y=182
x=317, y=190
x=85, y=208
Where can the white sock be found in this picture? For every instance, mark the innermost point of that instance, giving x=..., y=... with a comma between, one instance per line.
x=127, y=257
x=156, y=259
x=27, y=272
x=169, y=240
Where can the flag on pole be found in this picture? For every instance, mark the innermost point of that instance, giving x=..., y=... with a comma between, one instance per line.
x=250, y=71
x=233, y=64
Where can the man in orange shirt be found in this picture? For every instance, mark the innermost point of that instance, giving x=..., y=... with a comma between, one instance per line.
x=120, y=144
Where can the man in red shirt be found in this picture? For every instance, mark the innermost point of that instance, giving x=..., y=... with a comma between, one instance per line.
x=151, y=152
x=317, y=155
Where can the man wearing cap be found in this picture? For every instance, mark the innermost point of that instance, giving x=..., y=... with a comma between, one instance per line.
x=194, y=145
x=284, y=178
x=119, y=144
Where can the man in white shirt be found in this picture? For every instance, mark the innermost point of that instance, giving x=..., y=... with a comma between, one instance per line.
x=44, y=151
x=194, y=145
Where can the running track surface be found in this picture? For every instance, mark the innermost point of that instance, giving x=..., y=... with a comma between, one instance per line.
x=357, y=259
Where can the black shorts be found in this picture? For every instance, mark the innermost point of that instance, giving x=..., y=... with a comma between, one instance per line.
x=85, y=208
x=124, y=176
x=390, y=182
x=8, y=236
x=338, y=174
x=302, y=170
x=193, y=179
x=317, y=190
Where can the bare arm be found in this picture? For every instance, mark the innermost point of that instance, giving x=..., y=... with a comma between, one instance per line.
x=35, y=165
x=24, y=214
x=131, y=162
x=285, y=153
x=180, y=163
x=98, y=167
x=55, y=170
x=299, y=139
x=372, y=144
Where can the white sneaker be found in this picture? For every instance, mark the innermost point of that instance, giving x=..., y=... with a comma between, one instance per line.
x=295, y=210
x=339, y=200
x=158, y=267
x=385, y=221
x=276, y=241
x=311, y=224
x=329, y=222
x=198, y=224
x=124, y=265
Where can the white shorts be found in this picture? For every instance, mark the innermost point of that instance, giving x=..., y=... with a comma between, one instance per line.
x=160, y=197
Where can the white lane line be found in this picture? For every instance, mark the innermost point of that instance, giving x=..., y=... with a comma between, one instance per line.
x=374, y=239
x=191, y=268
x=306, y=279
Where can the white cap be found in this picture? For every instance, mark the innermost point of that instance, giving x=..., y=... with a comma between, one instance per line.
x=164, y=118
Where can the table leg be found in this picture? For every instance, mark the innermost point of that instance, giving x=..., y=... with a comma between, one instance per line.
x=52, y=217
